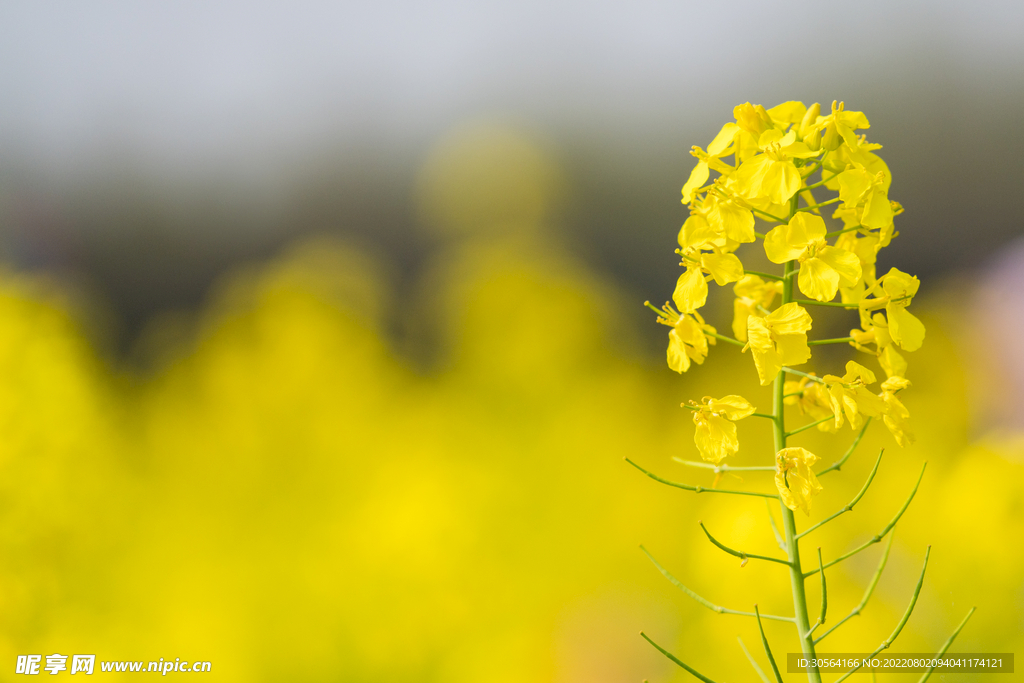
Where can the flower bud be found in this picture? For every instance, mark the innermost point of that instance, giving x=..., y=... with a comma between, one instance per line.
x=810, y=118
x=832, y=139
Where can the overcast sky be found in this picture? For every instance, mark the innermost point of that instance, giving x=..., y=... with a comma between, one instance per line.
x=183, y=84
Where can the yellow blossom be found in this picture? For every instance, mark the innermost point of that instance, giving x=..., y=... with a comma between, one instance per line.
x=860, y=188
x=687, y=340
x=822, y=268
x=812, y=398
x=719, y=147
x=716, y=434
x=838, y=126
x=728, y=218
x=772, y=174
x=752, y=295
x=876, y=331
x=778, y=339
x=896, y=415
x=795, y=479
x=905, y=328
x=850, y=397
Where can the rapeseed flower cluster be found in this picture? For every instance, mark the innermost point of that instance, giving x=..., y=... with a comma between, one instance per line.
x=789, y=167
x=777, y=165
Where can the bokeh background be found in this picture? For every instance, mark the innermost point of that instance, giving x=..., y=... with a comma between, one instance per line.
x=321, y=341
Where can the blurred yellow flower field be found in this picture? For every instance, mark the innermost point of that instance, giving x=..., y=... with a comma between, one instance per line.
x=292, y=500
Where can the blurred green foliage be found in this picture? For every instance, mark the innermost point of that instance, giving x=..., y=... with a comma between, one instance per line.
x=291, y=500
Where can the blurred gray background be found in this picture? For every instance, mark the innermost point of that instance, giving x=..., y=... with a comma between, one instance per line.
x=148, y=148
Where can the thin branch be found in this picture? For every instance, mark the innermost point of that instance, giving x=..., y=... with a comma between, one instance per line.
x=730, y=340
x=711, y=606
x=753, y=663
x=699, y=464
x=818, y=206
x=813, y=378
x=899, y=627
x=835, y=233
x=767, y=416
x=824, y=591
x=700, y=489
x=837, y=340
x=736, y=553
x=837, y=304
x=842, y=461
x=767, y=276
x=867, y=593
x=880, y=535
x=848, y=506
x=689, y=669
x=767, y=649
x=809, y=426
x=775, y=530
x=768, y=215
x=946, y=645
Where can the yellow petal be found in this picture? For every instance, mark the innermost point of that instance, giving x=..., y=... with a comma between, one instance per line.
x=793, y=349
x=691, y=290
x=905, y=328
x=877, y=210
x=788, y=112
x=781, y=181
x=794, y=478
x=855, y=371
x=846, y=264
x=723, y=139
x=730, y=219
x=698, y=176
x=791, y=318
x=724, y=268
x=678, y=360
x=818, y=280
x=735, y=407
x=715, y=437
x=696, y=233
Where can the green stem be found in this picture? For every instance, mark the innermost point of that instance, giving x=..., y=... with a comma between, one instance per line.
x=848, y=506
x=723, y=468
x=945, y=645
x=710, y=605
x=867, y=593
x=767, y=276
x=767, y=649
x=881, y=534
x=820, y=182
x=903, y=622
x=753, y=663
x=737, y=553
x=689, y=669
x=796, y=577
x=838, y=340
x=836, y=304
x=699, y=489
x=837, y=465
x=768, y=215
x=818, y=206
x=810, y=426
x=735, y=342
x=813, y=378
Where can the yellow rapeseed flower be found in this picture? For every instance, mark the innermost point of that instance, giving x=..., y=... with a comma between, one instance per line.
x=822, y=268
x=795, y=479
x=876, y=331
x=772, y=174
x=719, y=147
x=896, y=415
x=687, y=340
x=716, y=432
x=839, y=126
x=752, y=296
x=778, y=339
x=812, y=398
x=905, y=328
x=850, y=397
